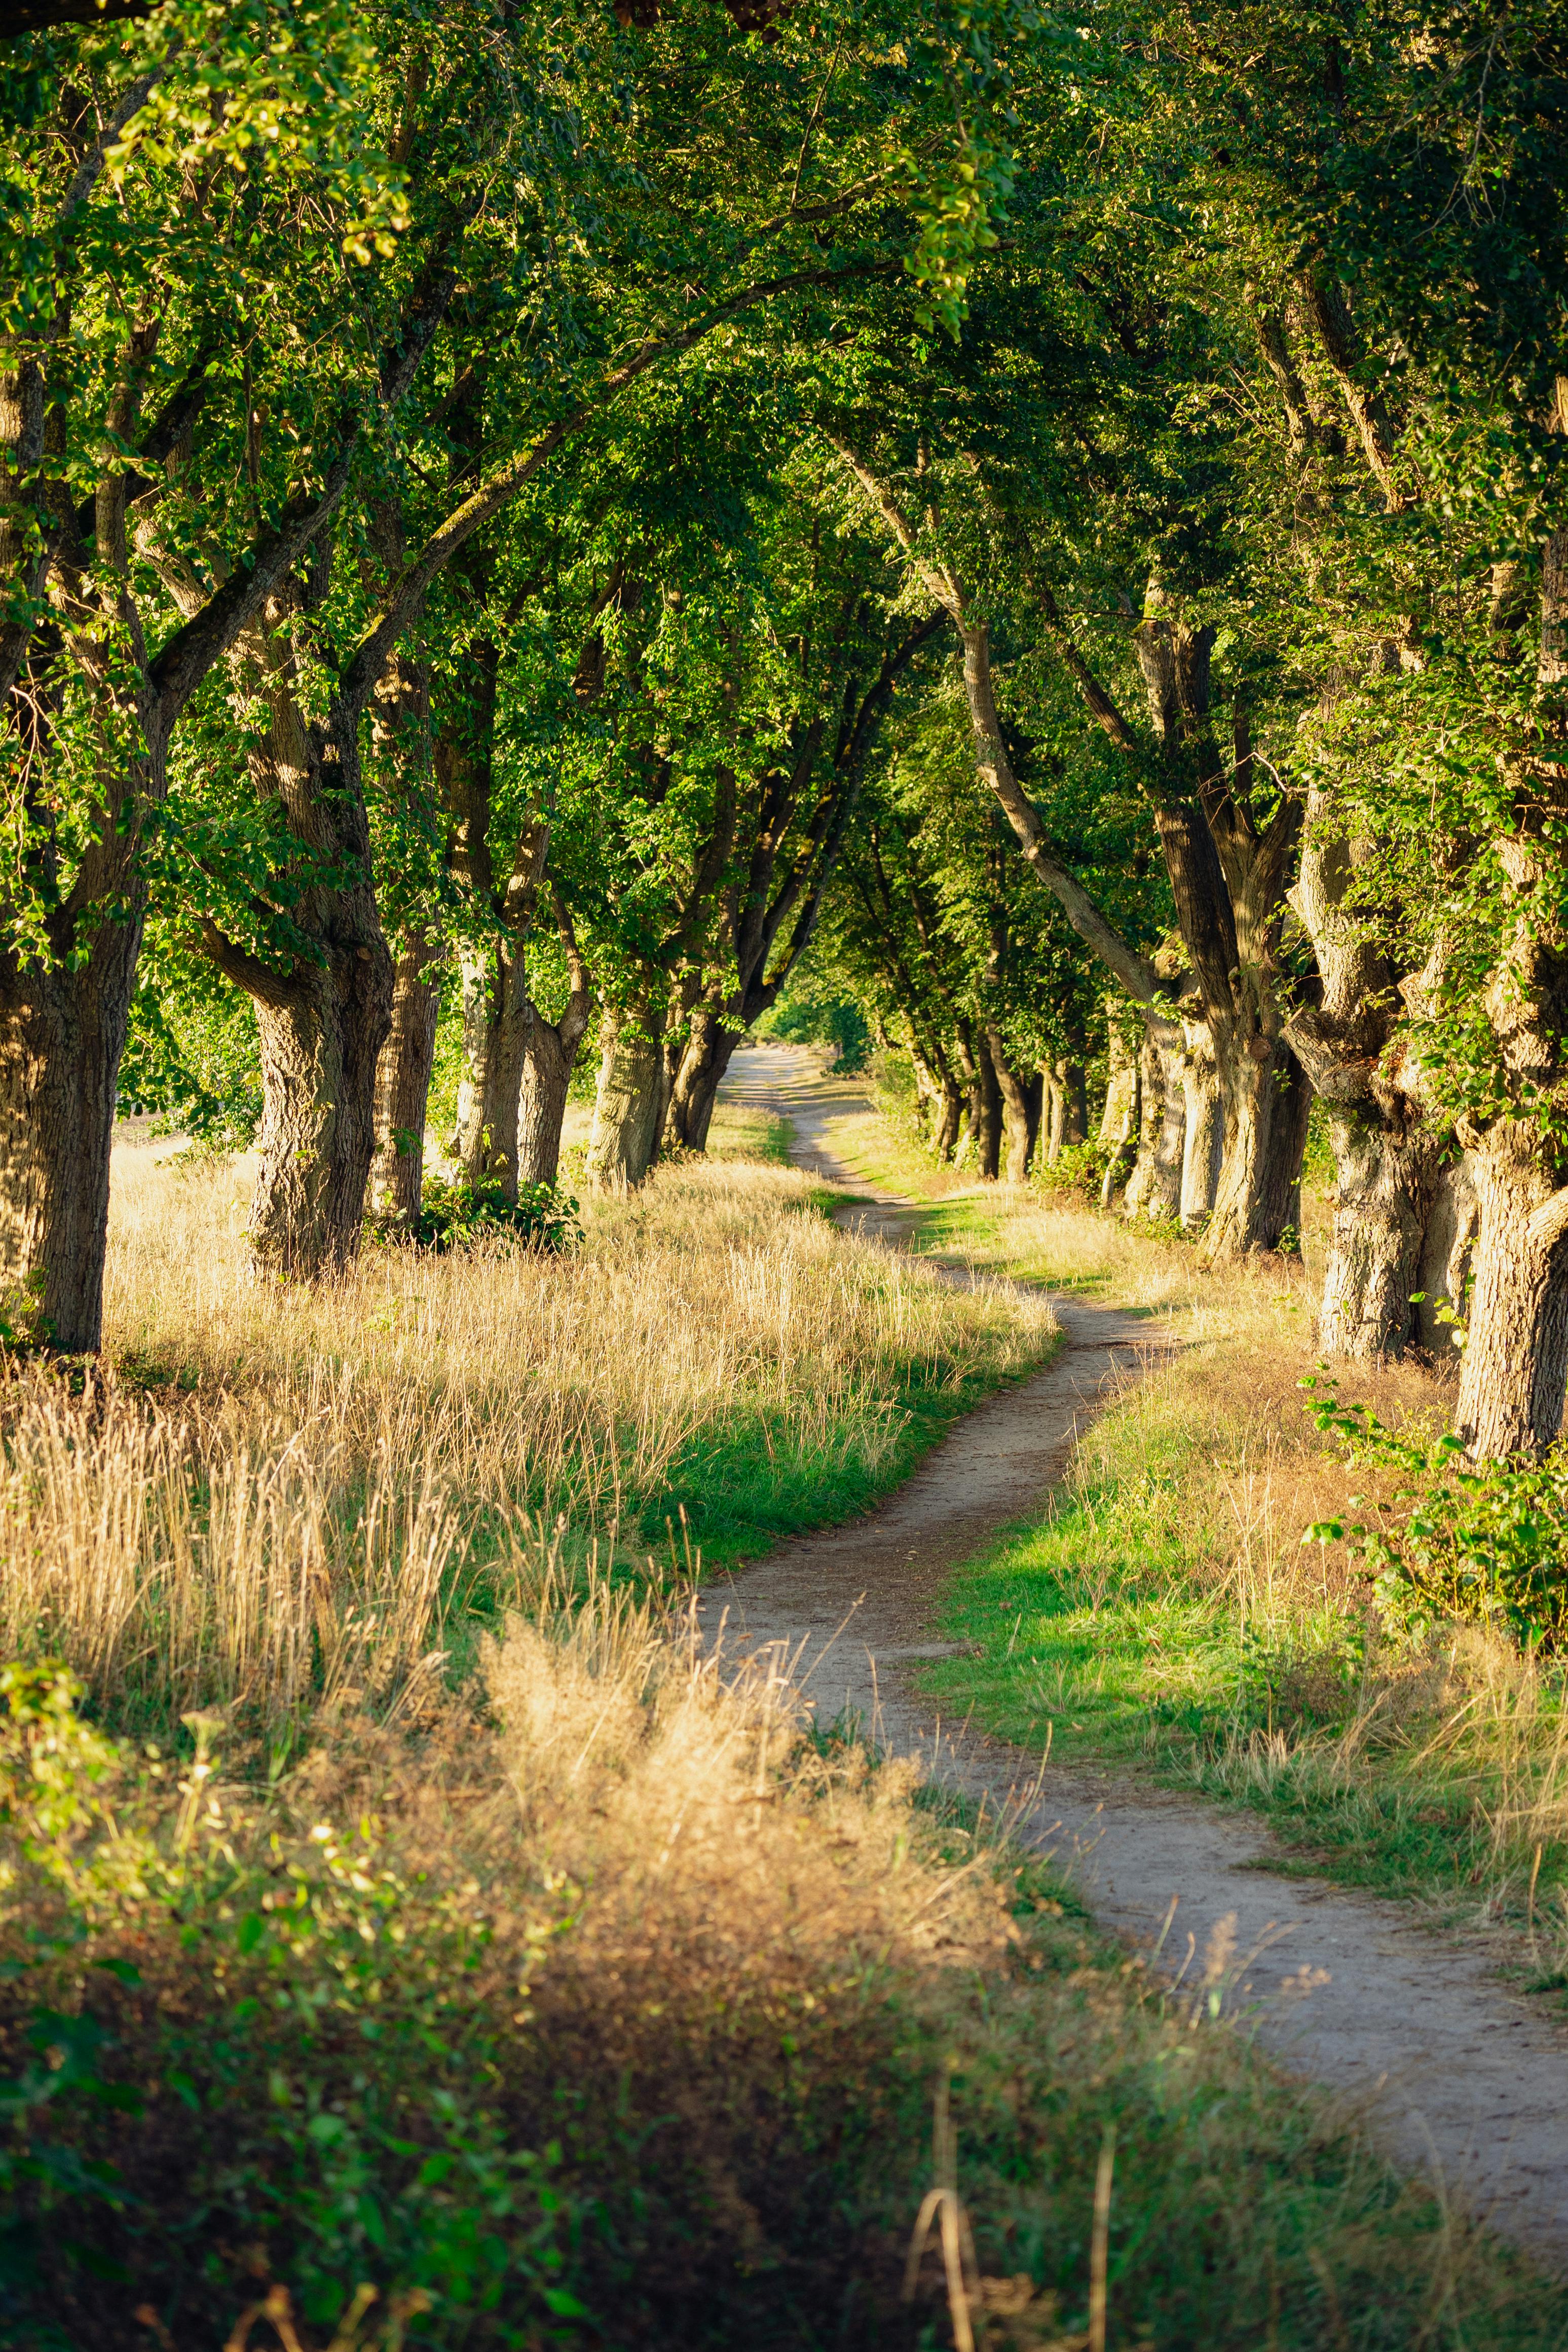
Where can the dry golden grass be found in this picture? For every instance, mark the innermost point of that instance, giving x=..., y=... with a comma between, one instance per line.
x=273, y=1494
x=670, y=1992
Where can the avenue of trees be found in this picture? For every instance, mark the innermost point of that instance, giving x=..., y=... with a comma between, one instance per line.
x=554, y=513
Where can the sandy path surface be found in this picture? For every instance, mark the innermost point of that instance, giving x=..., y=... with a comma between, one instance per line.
x=1457, y=2076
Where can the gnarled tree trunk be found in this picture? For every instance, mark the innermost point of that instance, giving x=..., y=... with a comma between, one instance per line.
x=1266, y=1101
x=496, y=1023
x=1203, y=1128
x=321, y=1032
x=1516, y=1359
x=629, y=1105
x=403, y=1081
x=703, y=1062
x=323, y=1023
x=1384, y=1187
x=1154, y=1188
x=62, y=1032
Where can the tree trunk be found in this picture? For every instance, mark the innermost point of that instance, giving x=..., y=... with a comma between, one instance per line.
x=403, y=1081
x=1448, y=1256
x=1514, y=1364
x=1202, y=1140
x=321, y=1035
x=1384, y=1187
x=1387, y=1159
x=496, y=1023
x=1120, y=1084
x=549, y=1058
x=697, y=1079
x=1068, y=1109
x=988, y=1113
x=945, y=1135
x=1267, y=1099
x=630, y=1106
x=1127, y=1088
x=61, y=1036
x=1154, y=1188
x=1015, y=1108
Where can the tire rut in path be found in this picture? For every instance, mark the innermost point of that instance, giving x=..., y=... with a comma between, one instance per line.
x=1456, y=2076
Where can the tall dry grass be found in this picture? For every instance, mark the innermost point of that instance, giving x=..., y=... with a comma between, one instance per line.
x=279, y=1494
x=622, y=2012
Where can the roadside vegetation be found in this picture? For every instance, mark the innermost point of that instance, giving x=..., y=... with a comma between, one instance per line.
x=598, y=2003
x=1198, y=1603
x=267, y=1499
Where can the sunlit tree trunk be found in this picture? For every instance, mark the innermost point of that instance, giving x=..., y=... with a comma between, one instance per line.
x=403, y=1081
x=549, y=1059
x=1516, y=1359
x=630, y=1100
x=62, y=1032
x=1154, y=1188
x=703, y=1062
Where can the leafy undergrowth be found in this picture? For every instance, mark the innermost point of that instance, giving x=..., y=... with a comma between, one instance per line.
x=620, y=2012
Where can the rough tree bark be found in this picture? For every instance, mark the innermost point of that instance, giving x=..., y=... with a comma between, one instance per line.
x=1516, y=1355
x=402, y=1081
x=1017, y=1128
x=1154, y=1187
x=630, y=1100
x=549, y=1058
x=1202, y=1126
x=1387, y=1155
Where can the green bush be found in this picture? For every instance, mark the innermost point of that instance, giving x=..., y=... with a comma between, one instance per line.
x=455, y=1214
x=1467, y=1545
x=1077, y=1168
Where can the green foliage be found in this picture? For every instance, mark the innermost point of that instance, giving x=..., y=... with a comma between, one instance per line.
x=1077, y=1169
x=812, y=1012
x=192, y=1054
x=324, y=2068
x=1468, y=1545
x=455, y=1214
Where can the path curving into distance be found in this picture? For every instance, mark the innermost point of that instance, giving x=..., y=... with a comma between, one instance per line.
x=1457, y=2076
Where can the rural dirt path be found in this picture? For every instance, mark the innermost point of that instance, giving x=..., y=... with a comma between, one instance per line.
x=1457, y=2076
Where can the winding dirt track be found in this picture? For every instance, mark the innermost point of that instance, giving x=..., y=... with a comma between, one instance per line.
x=1456, y=2076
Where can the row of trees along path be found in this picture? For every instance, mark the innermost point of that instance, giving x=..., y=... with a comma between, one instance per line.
x=1054, y=529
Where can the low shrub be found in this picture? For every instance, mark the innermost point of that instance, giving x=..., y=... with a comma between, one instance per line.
x=1461, y=1544
x=455, y=1214
x=1076, y=1171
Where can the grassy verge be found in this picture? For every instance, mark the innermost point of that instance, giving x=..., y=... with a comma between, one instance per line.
x=1168, y=1617
x=279, y=1497
x=616, y=2011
